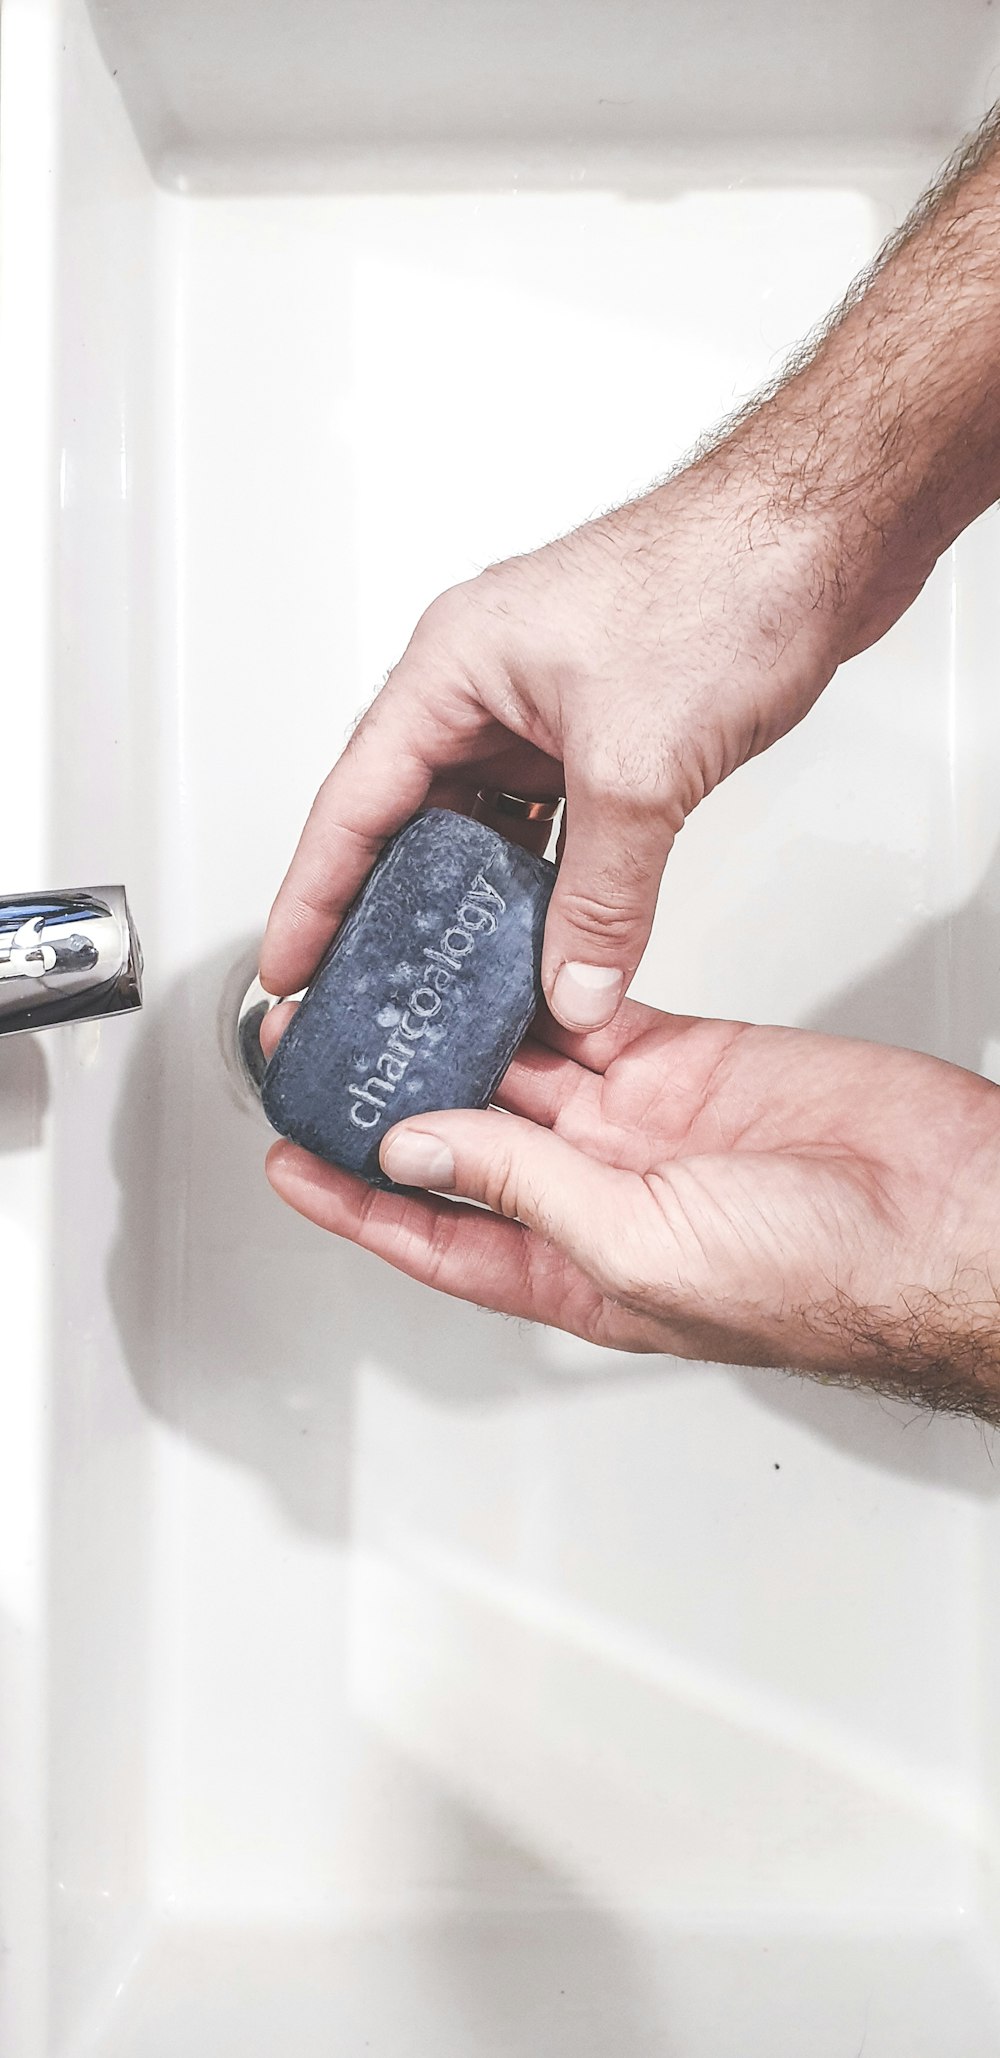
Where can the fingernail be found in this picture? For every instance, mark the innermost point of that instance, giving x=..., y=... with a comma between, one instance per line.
x=414, y=1159
x=586, y=996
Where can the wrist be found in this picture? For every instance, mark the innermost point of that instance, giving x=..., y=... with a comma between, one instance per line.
x=855, y=501
x=888, y=438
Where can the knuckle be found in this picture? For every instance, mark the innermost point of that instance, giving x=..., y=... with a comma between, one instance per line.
x=312, y=895
x=610, y=784
x=632, y=763
x=611, y=919
x=645, y=781
x=437, y=1250
x=444, y=625
x=501, y=1190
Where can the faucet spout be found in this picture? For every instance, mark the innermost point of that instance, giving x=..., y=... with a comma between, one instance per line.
x=67, y=957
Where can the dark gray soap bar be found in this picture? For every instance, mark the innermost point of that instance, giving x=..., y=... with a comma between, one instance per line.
x=422, y=998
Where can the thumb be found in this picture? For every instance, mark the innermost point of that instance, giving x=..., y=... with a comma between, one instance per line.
x=520, y=1171
x=604, y=900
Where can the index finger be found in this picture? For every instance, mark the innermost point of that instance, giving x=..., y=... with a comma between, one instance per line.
x=376, y=785
x=463, y=1251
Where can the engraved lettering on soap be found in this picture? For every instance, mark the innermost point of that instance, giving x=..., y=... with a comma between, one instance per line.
x=477, y=917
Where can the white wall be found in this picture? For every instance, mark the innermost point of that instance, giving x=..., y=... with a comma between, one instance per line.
x=248, y=94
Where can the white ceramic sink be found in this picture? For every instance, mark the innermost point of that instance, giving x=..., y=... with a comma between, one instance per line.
x=378, y=1676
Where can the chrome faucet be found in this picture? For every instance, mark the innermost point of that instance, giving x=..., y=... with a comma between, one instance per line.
x=67, y=957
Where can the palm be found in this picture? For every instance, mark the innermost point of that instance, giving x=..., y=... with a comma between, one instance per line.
x=667, y=1084
x=774, y=1158
x=772, y=1168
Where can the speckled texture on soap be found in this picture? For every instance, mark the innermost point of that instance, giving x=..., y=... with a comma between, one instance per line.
x=422, y=999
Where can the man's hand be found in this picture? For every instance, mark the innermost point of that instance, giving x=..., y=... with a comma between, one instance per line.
x=737, y=1194
x=635, y=664
x=631, y=667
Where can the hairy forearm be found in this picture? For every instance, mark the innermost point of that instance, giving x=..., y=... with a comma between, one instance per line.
x=940, y=1350
x=883, y=434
